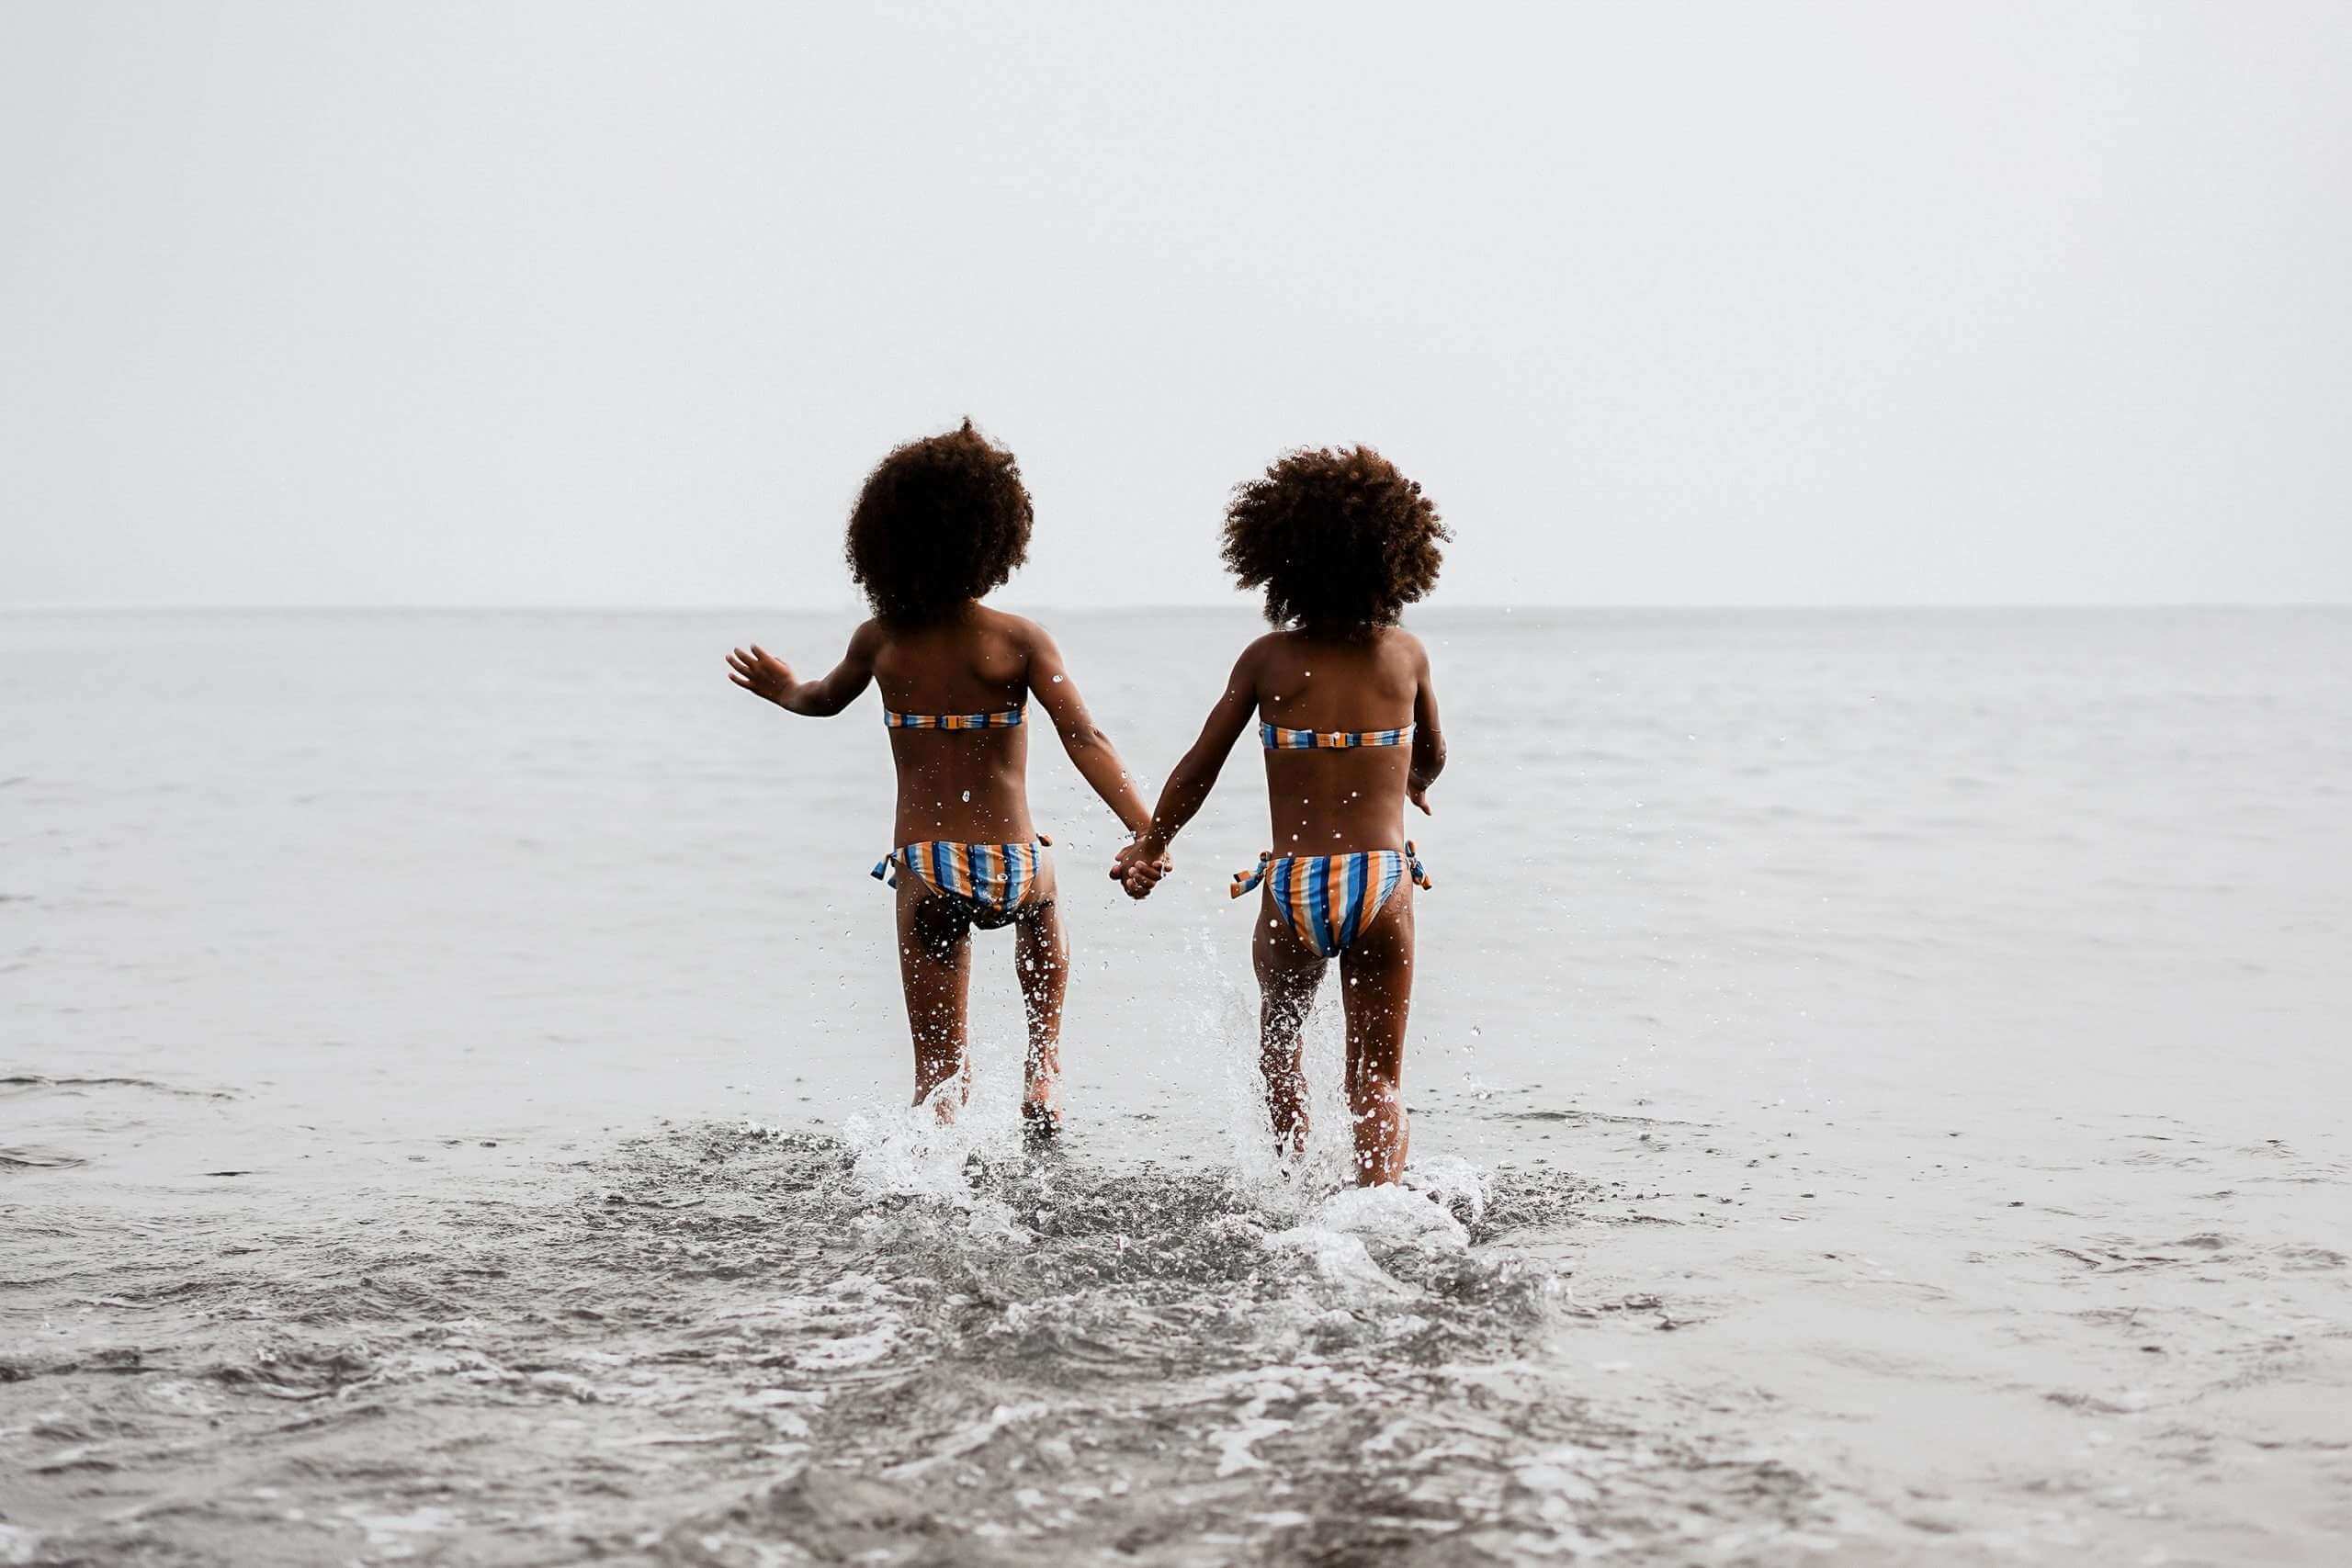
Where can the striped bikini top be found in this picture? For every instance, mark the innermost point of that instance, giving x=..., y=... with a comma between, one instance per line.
x=1276, y=738
x=1009, y=720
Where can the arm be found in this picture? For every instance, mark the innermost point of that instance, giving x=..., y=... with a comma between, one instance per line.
x=1139, y=866
x=1428, y=738
x=1091, y=752
x=762, y=674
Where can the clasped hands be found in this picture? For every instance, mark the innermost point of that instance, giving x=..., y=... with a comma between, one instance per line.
x=1139, y=867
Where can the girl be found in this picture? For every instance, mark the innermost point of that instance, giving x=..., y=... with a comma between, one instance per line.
x=1340, y=542
x=940, y=523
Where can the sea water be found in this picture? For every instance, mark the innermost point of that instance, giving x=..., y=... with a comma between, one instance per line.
x=1877, y=1083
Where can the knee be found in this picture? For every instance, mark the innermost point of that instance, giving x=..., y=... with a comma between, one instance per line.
x=1283, y=1015
x=1278, y=1056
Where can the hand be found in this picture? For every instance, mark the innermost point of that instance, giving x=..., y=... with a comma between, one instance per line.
x=762, y=674
x=1142, y=875
x=1418, y=794
x=1138, y=869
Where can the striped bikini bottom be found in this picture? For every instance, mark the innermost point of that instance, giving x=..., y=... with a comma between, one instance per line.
x=993, y=884
x=1330, y=898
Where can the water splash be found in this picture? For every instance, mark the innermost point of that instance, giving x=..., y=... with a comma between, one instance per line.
x=749, y=1336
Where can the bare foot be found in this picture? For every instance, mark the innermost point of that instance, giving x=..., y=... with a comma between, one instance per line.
x=1040, y=1125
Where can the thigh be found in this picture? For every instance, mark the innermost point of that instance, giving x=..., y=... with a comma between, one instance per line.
x=1376, y=987
x=934, y=937
x=1038, y=920
x=934, y=969
x=1041, y=959
x=1288, y=969
x=1048, y=886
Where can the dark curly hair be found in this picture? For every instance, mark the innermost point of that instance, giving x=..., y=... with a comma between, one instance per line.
x=940, y=521
x=1339, y=539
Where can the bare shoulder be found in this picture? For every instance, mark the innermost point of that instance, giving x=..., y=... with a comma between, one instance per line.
x=1267, y=647
x=1024, y=641
x=1402, y=649
x=1263, y=654
x=1019, y=630
x=1010, y=648
x=867, y=645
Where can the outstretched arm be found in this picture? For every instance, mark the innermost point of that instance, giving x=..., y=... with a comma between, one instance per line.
x=1140, y=864
x=762, y=674
x=1091, y=752
x=1429, y=740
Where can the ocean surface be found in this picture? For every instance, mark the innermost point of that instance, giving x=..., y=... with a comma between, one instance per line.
x=1879, y=1083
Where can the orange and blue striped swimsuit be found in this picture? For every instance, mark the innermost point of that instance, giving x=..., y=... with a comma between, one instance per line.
x=1008, y=719
x=1274, y=737
x=1330, y=898
x=992, y=883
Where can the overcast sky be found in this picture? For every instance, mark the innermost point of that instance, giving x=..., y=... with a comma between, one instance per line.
x=1742, y=303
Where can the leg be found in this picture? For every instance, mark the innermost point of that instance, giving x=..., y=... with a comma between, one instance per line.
x=1288, y=972
x=1376, y=988
x=936, y=969
x=1041, y=960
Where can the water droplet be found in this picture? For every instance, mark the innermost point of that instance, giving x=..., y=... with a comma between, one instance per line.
x=1475, y=1031
x=1058, y=680
x=967, y=794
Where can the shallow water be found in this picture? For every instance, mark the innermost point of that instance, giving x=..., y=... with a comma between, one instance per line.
x=1877, y=1084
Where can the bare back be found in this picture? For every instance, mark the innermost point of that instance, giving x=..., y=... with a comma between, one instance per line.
x=969, y=785
x=1333, y=801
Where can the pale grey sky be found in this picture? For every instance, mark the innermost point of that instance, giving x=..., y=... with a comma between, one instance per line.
x=1739, y=303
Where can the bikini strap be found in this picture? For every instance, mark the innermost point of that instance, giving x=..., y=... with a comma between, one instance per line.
x=1009, y=719
x=1413, y=864
x=1277, y=737
x=883, y=871
x=1244, y=881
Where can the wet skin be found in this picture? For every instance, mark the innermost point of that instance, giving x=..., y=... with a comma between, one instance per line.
x=1322, y=803
x=971, y=787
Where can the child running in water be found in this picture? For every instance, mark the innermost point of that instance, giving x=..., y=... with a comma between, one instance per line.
x=1340, y=542
x=940, y=523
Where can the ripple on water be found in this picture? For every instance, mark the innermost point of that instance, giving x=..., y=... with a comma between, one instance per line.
x=28, y=1156
x=736, y=1346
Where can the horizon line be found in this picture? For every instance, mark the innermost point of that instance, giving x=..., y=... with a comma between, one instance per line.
x=1506, y=606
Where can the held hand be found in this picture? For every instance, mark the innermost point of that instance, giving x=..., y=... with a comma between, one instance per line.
x=1140, y=872
x=1143, y=876
x=1418, y=794
x=762, y=674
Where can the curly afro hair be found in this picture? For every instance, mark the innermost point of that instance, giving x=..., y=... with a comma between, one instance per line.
x=940, y=521
x=1339, y=539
